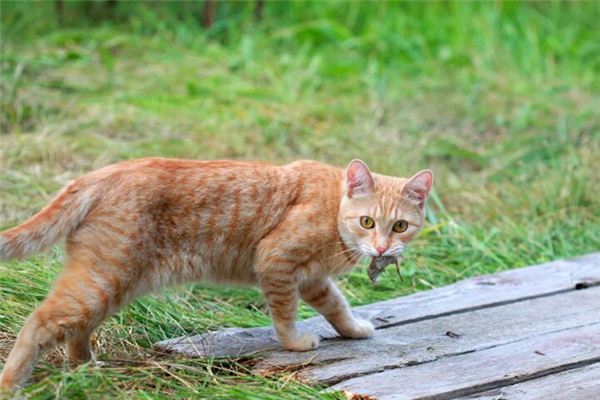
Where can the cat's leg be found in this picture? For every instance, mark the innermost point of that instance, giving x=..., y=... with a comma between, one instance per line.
x=282, y=259
x=79, y=348
x=72, y=310
x=326, y=298
x=281, y=294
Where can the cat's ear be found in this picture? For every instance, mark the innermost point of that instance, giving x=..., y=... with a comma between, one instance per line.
x=417, y=188
x=359, y=181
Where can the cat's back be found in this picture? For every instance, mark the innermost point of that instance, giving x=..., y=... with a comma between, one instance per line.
x=223, y=176
x=159, y=167
x=157, y=174
x=196, y=215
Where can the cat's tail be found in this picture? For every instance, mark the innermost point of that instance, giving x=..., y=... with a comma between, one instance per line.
x=59, y=218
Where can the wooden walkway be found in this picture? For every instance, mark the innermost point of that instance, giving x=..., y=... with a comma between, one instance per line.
x=529, y=333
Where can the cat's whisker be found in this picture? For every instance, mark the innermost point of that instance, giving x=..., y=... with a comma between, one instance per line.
x=341, y=253
x=350, y=247
x=336, y=243
x=343, y=264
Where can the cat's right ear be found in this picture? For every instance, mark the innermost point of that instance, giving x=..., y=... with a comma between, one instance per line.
x=359, y=181
x=417, y=188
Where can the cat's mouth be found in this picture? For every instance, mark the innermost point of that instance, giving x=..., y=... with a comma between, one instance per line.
x=378, y=264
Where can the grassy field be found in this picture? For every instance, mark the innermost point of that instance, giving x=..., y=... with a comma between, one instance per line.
x=500, y=99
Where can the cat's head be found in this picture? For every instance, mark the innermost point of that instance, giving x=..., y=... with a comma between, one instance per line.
x=380, y=214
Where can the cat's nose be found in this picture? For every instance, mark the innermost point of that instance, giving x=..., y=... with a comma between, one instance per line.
x=381, y=249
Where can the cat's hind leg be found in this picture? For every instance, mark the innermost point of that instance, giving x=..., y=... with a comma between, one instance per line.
x=79, y=348
x=72, y=310
x=325, y=297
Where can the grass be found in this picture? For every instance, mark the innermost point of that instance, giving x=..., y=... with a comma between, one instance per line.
x=500, y=99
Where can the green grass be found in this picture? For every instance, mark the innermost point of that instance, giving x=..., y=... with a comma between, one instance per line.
x=500, y=99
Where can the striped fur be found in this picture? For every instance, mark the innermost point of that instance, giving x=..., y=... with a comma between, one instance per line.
x=137, y=226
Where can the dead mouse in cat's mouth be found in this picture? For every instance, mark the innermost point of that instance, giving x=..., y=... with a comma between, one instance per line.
x=378, y=264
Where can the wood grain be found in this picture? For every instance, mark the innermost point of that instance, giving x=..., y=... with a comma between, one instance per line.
x=427, y=341
x=471, y=294
x=474, y=372
x=526, y=333
x=576, y=384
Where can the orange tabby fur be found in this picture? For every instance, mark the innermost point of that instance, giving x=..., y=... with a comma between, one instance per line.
x=137, y=226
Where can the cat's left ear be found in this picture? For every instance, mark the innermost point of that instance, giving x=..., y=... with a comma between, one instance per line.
x=417, y=188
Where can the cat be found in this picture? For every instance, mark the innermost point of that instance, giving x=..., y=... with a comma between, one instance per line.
x=136, y=226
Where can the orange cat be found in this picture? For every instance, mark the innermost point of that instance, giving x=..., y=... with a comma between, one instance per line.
x=137, y=226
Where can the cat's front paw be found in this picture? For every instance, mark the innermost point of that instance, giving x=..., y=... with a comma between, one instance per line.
x=305, y=342
x=360, y=329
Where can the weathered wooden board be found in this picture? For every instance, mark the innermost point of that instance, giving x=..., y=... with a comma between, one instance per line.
x=481, y=292
x=576, y=384
x=474, y=372
x=495, y=336
x=429, y=340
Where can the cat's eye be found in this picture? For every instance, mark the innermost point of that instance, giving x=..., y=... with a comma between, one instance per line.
x=400, y=226
x=367, y=222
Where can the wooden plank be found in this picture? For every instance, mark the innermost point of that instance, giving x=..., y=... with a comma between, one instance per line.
x=465, y=374
x=471, y=294
x=576, y=384
x=433, y=339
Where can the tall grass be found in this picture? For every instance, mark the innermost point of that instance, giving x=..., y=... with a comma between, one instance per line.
x=500, y=99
